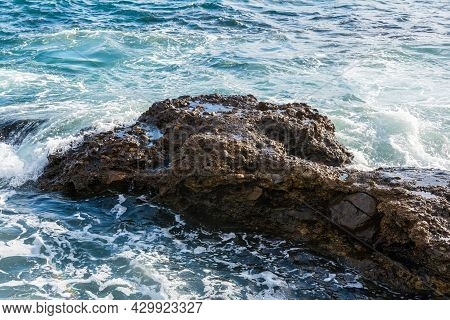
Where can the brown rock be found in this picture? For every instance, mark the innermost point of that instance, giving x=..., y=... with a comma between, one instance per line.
x=347, y=215
x=363, y=202
x=276, y=169
x=255, y=194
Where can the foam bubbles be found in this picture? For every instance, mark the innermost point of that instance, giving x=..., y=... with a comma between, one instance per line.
x=119, y=209
x=12, y=165
x=15, y=248
x=265, y=278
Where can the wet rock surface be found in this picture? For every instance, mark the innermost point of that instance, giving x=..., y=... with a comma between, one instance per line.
x=279, y=169
x=15, y=131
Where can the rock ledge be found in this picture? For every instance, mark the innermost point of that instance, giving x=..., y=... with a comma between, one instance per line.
x=277, y=169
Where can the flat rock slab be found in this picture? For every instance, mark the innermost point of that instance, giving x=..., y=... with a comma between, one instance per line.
x=355, y=211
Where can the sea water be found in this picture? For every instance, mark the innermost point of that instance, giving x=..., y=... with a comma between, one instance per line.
x=379, y=70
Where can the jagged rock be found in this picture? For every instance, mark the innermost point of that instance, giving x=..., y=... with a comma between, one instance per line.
x=276, y=169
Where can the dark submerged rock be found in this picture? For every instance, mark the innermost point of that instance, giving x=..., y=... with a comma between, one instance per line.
x=276, y=169
x=15, y=131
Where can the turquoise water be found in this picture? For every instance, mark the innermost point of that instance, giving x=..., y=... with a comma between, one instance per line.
x=380, y=70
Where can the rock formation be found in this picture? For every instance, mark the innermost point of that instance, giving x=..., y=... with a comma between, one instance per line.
x=277, y=169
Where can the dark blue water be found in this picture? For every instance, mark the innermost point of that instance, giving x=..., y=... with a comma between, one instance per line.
x=380, y=70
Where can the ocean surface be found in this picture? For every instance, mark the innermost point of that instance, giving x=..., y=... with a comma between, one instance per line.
x=379, y=69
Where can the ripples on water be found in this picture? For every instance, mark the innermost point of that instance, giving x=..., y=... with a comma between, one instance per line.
x=380, y=70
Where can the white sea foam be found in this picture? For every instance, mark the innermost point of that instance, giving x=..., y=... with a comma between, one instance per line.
x=216, y=287
x=199, y=250
x=356, y=285
x=404, y=135
x=228, y=236
x=15, y=79
x=266, y=278
x=331, y=277
x=168, y=288
x=11, y=164
x=26, y=161
x=4, y=196
x=151, y=262
x=16, y=248
x=119, y=209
